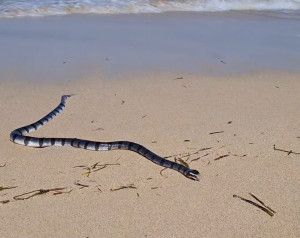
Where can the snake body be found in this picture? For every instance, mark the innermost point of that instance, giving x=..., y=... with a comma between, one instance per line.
x=17, y=136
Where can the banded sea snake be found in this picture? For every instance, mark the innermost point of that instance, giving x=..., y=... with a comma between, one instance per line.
x=17, y=136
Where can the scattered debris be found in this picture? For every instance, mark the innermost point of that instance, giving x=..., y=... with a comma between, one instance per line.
x=186, y=140
x=264, y=208
x=187, y=154
x=179, y=78
x=222, y=62
x=98, y=129
x=237, y=155
x=154, y=142
x=144, y=116
x=262, y=203
x=199, y=157
x=216, y=132
x=122, y=102
x=123, y=187
x=60, y=192
x=94, y=168
x=1, y=166
x=35, y=193
x=276, y=86
x=222, y=156
x=287, y=151
x=229, y=122
x=182, y=162
x=5, y=188
x=4, y=201
x=161, y=172
x=81, y=185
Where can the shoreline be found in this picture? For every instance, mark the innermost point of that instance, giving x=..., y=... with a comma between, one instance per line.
x=72, y=47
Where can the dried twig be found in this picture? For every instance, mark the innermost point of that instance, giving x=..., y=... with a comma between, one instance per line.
x=60, y=192
x=161, y=172
x=123, y=187
x=1, y=166
x=262, y=203
x=287, y=151
x=216, y=132
x=222, y=156
x=81, y=185
x=199, y=157
x=35, y=193
x=270, y=213
x=4, y=201
x=5, y=188
x=93, y=168
x=182, y=162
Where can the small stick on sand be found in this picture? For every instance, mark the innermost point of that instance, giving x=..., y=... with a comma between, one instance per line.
x=270, y=213
x=287, y=151
x=123, y=187
x=262, y=203
x=222, y=156
x=35, y=193
x=216, y=132
x=5, y=188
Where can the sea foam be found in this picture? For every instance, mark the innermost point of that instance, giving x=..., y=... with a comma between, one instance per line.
x=17, y=8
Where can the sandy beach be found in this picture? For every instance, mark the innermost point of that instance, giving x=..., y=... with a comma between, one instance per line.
x=223, y=125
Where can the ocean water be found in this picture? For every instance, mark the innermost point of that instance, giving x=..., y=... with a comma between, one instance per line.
x=21, y=8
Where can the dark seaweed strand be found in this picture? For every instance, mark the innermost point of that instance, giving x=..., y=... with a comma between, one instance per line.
x=17, y=136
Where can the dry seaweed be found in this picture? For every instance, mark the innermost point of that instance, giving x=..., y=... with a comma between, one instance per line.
x=222, y=156
x=182, y=162
x=5, y=188
x=161, y=172
x=34, y=193
x=287, y=151
x=187, y=154
x=60, y=192
x=236, y=155
x=216, y=132
x=4, y=201
x=93, y=168
x=199, y=157
x=262, y=203
x=81, y=185
x=266, y=210
x=124, y=187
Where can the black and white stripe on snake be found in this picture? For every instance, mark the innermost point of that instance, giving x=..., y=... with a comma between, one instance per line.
x=17, y=136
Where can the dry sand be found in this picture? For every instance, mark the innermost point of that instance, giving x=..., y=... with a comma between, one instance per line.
x=252, y=113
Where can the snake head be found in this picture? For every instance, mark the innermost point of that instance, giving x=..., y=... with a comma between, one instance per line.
x=193, y=174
